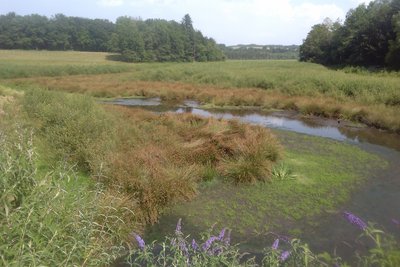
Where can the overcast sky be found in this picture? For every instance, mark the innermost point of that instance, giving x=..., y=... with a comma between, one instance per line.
x=227, y=21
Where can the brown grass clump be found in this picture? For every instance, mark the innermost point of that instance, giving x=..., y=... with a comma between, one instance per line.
x=161, y=158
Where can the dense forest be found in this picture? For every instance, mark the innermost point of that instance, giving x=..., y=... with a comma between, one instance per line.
x=369, y=36
x=254, y=52
x=134, y=39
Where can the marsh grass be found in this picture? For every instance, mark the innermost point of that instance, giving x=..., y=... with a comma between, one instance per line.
x=308, y=88
x=162, y=158
x=156, y=159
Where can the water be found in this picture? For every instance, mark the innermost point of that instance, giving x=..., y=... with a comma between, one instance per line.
x=156, y=101
x=283, y=120
x=377, y=200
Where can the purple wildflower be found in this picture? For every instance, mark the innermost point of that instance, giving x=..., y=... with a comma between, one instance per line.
x=284, y=255
x=221, y=235
x=216, y=251
x=275, y=244
x=178, y=229
x=194, y=245
x=209, y=242
x=140, y=241
x=353, y=219
x=183, y=247
x=396, y=222
x=227, y=239
x=285, y=238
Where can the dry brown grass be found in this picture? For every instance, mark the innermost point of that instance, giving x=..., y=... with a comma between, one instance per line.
x=161, y=158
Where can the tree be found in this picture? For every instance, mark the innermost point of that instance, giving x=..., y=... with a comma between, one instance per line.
x=190, y=49
x=134, y=39
x=393, y=56
x=368, y=37
x=129, y=39
x=317, y=47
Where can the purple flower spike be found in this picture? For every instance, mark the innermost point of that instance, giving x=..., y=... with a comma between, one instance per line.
x=178, y=229
x=140, y=241
x=221, y=235
x=209, y=242
x=216, y=251
x=194, y=245
x=183, y=247
x=227, y=239
x=275, y=244
x=353, y=219
x=396, y=222
x=285, y=255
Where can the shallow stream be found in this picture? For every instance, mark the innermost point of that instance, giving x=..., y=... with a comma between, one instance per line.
x=377, y=199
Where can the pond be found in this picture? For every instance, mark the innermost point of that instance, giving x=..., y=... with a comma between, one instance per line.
x=375, y=199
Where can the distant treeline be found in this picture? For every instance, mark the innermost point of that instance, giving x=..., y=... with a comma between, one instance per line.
x=261, y=51
x=369, y=36
x=134, y=39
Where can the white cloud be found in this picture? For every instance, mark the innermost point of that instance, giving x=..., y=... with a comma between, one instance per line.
x=260, y=21
x=242, y=21
x=111, y=3
x=359, y=2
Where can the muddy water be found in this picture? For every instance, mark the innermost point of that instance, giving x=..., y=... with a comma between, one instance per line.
x=377, y=200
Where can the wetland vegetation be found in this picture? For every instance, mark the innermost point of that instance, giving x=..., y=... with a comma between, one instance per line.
x=81, y=180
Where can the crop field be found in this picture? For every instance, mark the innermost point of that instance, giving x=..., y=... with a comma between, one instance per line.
x=81, y=180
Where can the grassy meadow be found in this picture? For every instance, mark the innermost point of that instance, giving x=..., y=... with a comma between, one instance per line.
x=20, y=63
x=354, y=94
x=79, y=180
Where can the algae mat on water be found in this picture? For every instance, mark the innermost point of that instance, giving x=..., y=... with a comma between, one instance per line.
x=326, y=173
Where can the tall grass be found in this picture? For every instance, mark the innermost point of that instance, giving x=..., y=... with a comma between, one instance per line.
x=55, y=219
x=73, y=127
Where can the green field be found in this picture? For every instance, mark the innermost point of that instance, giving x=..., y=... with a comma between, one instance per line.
x=78, y=178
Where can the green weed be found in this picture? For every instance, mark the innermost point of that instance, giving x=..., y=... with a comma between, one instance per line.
x=282, y=172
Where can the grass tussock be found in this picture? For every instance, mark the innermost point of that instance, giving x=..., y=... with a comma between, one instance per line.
x=162, y=158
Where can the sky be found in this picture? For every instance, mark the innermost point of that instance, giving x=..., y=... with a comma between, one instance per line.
x=229, y=22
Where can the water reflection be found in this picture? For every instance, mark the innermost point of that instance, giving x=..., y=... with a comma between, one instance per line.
x=138, y=102
x=283, y=120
